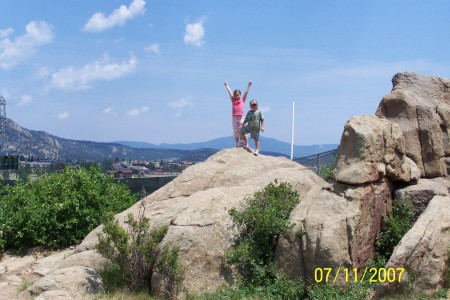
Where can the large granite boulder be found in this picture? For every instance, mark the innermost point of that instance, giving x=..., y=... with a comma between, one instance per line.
x=423, y=252
x=420, y=105
x=77, y=282
x=195, y=206
x=335, y=227
x=420, y=194
x=370, y=149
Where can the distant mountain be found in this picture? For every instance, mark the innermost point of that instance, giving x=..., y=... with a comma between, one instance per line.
x=267, y=144
x=44, y=146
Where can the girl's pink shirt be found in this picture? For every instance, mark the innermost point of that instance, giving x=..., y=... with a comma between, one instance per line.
x=238, y=107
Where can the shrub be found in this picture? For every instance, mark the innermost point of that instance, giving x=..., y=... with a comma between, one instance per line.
x=354, y=291
x=60, y=209
x=281, y=288
x=327, y=172
x=398, y=222
x=136, y=254
x=261, y=223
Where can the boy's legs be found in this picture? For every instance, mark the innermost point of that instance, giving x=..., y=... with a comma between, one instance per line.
x=244, y=130
x=255, y=137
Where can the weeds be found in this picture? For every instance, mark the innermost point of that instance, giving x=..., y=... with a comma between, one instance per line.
x=137, y=255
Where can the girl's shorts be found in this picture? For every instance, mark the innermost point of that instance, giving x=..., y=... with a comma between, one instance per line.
x=237, y=121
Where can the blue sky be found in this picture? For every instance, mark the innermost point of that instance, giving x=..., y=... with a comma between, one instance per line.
x=154, y=71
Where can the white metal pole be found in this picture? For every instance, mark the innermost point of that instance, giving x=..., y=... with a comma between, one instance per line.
x=292, y=133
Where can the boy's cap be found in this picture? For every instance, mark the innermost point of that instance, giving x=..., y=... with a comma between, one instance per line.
x=253, y=102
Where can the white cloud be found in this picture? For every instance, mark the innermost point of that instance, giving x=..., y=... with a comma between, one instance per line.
x=37, y=33
x=63, y=115
x=81, y=78
x=109, y=111
x=26, y=99
x=155, y=48
x=137, y=111
x=181, y=103
x=5, y=32
x=264, y=109
x=99, y=22
x=194, y=34
x=42, y=73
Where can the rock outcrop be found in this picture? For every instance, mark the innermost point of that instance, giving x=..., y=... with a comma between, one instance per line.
x=195, y=206
x=420, y=194
x=370, y=149
x=423, y=252
x=420, y=105
x=397, y=155
x=334, y=228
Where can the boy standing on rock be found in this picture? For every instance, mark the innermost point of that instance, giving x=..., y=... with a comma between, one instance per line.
x=255, y=123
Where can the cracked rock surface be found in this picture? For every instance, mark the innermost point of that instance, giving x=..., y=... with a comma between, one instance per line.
x=195, y=206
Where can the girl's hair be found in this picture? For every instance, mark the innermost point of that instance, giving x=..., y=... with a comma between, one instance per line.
x=237, y=91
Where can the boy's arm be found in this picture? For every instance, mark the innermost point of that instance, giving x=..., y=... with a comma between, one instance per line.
x=262, y=125
x=228, y=89
x=246, y=91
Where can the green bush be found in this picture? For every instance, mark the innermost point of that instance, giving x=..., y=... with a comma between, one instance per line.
x=264, y=219
x=327, y=172
x=352, y=291
x=398, y=222
x=60, y=209
x=136, y=255
x=281, y=288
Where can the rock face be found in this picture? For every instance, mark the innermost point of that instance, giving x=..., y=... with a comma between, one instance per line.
x=424, y=251
x=195, y=206
x=420, y=194
x=420, y=105
x=381, y=159
x=334, y=228
x=370, y=149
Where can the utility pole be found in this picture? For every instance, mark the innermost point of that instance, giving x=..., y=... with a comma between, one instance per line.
x=292, y=133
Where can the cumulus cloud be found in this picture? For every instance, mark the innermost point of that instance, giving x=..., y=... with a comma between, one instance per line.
x=264, y=109
x=194, y=34
x=181, y=103
x=63, y=115
x=155, y=48
x=137, y=111
x=26, y=99
x=99, y=22
x=12, y=52
x=5, y=32
x=109, y=111
x=82, y=78
x=42, y=73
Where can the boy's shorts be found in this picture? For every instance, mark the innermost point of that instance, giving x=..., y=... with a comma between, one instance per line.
x=254, y=134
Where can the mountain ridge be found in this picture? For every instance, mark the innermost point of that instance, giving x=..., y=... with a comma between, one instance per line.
x=267, y=144
x=41, y=145
x=45, y=146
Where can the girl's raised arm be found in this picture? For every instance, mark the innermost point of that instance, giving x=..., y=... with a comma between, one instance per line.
x=246, y=91
x=228, y=89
